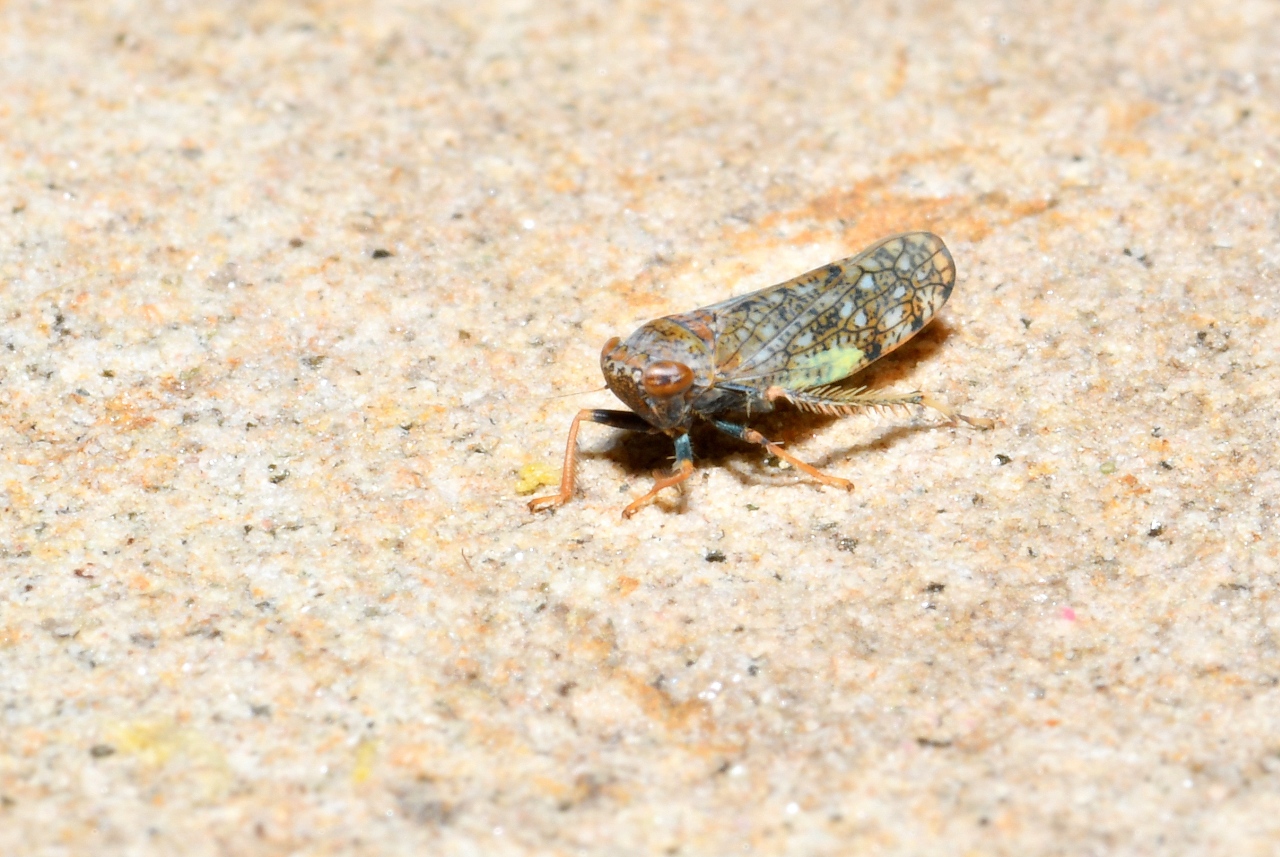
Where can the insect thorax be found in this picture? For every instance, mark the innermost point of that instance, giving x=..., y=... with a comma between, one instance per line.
x=726, y=400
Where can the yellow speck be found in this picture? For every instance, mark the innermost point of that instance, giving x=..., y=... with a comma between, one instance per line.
x=155, y=741
x=535, y=475
x=180, y=751
x=366, y=753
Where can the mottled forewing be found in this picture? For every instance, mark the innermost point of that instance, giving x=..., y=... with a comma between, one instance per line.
x=829, y=323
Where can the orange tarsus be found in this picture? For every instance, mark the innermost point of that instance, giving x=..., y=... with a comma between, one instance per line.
x=551, y=501
x=953, y=415
x=660, y=482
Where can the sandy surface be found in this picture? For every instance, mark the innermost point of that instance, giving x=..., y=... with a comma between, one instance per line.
x=298, y=301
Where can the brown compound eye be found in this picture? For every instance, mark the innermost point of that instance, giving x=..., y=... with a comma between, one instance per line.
x=609, y=346
x=666, y=378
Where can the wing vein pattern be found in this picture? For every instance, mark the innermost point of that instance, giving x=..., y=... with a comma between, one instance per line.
x=825, y=325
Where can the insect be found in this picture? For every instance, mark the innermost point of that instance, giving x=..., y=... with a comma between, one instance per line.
x=787, y=343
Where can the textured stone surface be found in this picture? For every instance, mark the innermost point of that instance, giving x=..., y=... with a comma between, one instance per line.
x=296, y=298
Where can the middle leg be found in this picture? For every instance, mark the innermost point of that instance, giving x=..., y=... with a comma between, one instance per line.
x=752, y=436
x=683, y=470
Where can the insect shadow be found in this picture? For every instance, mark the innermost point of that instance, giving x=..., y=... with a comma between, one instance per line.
x=638, y=454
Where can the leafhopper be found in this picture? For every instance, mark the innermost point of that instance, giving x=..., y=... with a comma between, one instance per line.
x=792, y=342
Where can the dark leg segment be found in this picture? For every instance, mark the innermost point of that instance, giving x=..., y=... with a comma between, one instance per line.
x=615, y=419
x=683, y=470
x=753, y=436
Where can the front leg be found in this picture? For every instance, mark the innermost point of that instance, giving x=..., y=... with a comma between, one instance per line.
x=615, y=419
x=753, y=436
